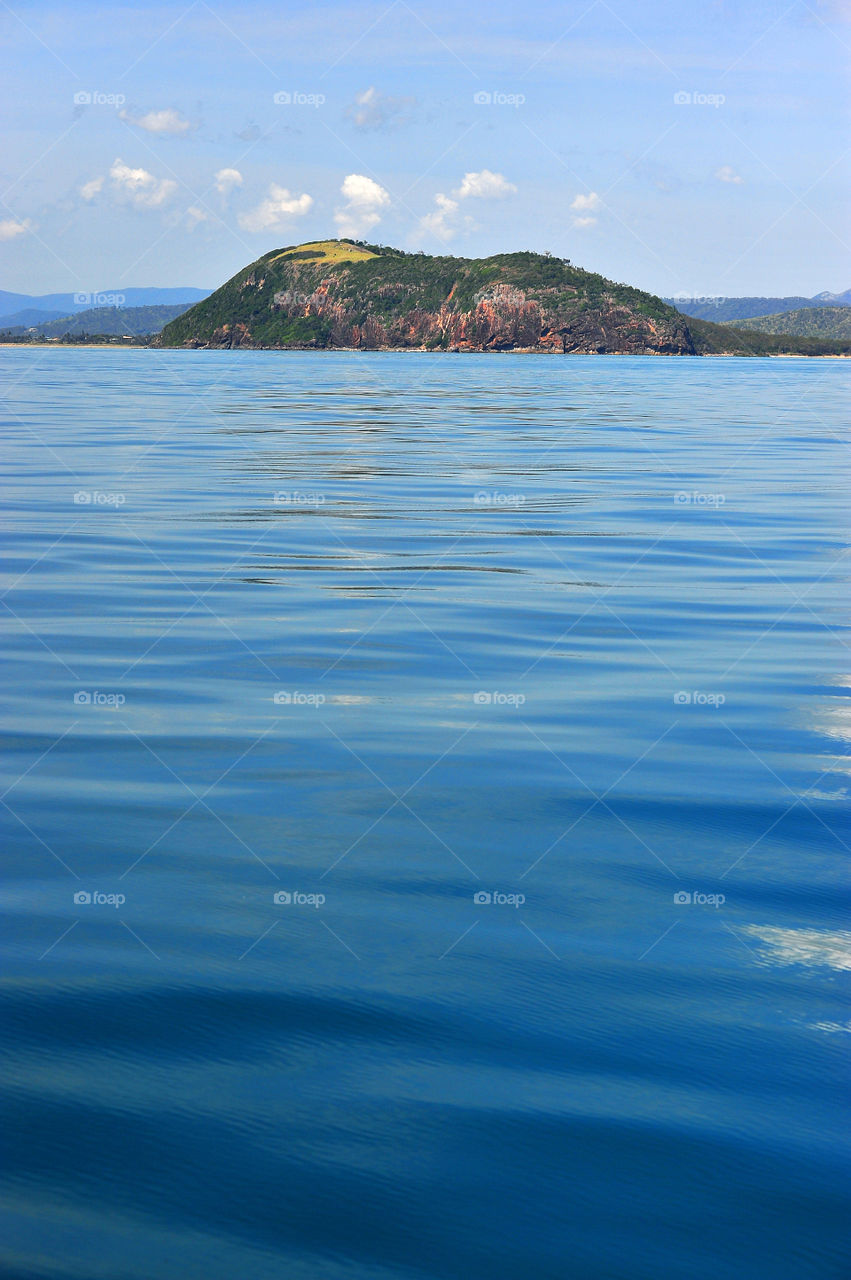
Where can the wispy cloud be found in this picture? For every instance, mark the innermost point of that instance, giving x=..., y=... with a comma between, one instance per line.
x=90, y=189
x=728, y=174
x=372, y=110
x=274, y=213
x=166, y=121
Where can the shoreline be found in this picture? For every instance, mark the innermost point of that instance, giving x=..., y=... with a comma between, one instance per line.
x=417, y=351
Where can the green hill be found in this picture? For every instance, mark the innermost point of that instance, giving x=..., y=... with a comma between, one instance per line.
x=346, y=294
x=115, y=321
x=349, y=294
x=832, y=323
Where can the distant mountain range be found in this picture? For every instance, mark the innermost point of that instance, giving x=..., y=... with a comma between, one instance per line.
x=720, y=310
x=833, y=323
x=115, y=321
x=27, y=310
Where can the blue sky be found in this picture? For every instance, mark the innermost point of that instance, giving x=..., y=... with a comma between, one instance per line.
x=687, y=149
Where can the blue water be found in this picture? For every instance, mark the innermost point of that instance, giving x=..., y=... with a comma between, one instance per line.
x=382, y=633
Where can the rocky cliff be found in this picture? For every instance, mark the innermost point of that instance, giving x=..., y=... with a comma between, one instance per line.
x=347, y=295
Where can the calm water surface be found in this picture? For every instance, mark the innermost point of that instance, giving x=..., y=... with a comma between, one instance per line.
x=426, y=812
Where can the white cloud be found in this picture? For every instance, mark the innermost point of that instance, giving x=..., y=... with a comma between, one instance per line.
x=587, y=204
x=273, y=212
x=584, y=207
x=10, y=228
x=374, y=110
x=728, y=174
x=145, y=191
x=90, y=189
x=439, y=223
x=485, y=185
x=227, y=179
x=194, y=215
x=365, y=201
x=165, y=121
x=443, y=222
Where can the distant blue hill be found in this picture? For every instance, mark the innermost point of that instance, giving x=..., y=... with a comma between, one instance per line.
x=721, y=309
x=66, y=304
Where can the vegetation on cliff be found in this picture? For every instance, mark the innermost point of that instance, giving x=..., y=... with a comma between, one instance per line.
x=349, y=294
x=831, y=323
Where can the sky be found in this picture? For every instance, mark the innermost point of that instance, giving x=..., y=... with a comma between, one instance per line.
x=689, y=149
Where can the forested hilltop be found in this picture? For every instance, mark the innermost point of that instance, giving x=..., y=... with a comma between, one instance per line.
x=349, y=294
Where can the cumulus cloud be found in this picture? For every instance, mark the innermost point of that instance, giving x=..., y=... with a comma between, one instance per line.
x=584, y=208
x=226, y=180
x=165, y=121
x=90, y=189
x=365, y=203
x=273, y=213
x=485, y=186
x=728, y=174
x=10, y=228
x=141, y=187
x=374, y=110
x=444, y=221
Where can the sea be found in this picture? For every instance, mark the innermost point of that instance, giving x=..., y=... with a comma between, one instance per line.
x=425, y=805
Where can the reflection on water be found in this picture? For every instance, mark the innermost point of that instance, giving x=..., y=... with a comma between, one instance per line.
x=425, y=804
